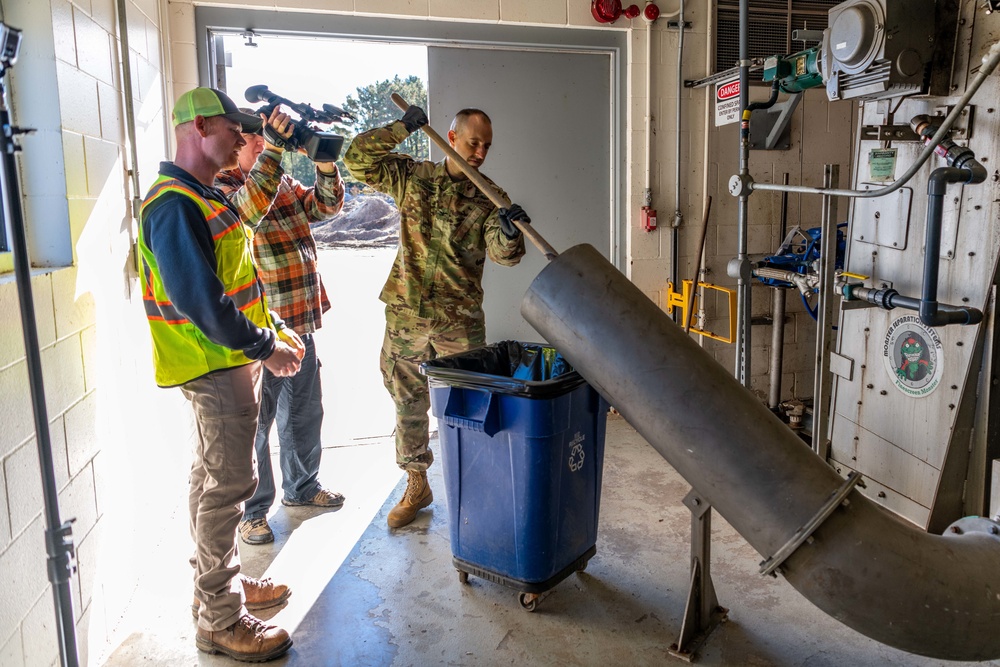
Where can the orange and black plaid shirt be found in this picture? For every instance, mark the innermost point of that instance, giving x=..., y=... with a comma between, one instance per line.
x=279, y=209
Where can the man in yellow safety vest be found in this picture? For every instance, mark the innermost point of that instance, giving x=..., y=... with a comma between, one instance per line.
x=212, y=332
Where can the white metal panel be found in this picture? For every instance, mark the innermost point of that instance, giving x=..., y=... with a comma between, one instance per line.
x=899, y=470
x=885, y=220
x=552, y=152
x=886, y=497
x=904, y=442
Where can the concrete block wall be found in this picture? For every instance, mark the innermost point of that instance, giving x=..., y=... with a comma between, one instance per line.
x=821, y=132
x=94, y=347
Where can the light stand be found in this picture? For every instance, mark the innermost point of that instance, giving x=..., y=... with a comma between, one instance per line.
x=58, y=535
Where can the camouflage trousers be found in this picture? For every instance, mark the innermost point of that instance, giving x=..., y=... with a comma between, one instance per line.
x=408, y=342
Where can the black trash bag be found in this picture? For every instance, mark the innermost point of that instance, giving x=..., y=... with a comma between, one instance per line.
x=509, y=367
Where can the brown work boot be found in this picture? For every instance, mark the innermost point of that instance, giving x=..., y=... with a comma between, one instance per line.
x=416, y=497
x=256, y=531
x=249, y=639
x=322, y=498
x=259, y=594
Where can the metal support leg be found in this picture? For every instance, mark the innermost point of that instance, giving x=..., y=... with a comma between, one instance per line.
x=702, y=613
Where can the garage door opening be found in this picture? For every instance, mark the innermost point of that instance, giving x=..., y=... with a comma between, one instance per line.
x=357, y=247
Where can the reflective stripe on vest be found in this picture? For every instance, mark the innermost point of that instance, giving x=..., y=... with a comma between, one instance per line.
x=181, y=352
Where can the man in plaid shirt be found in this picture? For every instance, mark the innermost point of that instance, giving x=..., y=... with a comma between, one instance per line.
x=278, y=209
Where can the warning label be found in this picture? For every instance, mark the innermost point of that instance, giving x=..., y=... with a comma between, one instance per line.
x=727, y=102
x=882, y=164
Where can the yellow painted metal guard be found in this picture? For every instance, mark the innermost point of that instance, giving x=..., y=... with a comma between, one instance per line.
x=681, y=301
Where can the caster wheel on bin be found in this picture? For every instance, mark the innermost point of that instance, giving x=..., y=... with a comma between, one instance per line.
x=582, y=566
x=463, y=577
x=529, y=601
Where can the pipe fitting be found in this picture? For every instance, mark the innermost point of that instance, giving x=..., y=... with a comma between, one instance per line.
x=740, y=185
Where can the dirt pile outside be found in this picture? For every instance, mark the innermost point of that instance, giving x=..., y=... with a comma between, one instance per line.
x=366, y=221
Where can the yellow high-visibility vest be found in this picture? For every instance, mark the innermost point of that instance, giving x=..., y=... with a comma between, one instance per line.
x=181, y=352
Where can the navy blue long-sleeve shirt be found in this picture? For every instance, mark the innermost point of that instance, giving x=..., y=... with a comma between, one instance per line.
x=174, y=230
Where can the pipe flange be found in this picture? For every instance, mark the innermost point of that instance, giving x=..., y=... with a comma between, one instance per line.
x=741, y=185
x=974, y=524
x=769, y=565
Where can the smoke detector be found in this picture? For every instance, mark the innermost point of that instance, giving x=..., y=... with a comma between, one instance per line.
x=606, y=11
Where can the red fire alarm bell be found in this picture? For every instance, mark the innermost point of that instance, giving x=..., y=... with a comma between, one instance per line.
x=648, y=218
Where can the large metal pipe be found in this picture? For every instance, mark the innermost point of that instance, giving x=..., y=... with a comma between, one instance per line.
x=927, y=594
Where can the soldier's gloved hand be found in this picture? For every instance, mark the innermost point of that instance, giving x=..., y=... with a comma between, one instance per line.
x=507, y=217
x=414, y=119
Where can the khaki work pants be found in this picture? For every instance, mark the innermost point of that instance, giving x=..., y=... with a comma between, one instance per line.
x=223, y=476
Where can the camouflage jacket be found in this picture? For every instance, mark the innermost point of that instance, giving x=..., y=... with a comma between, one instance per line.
x=446, y=229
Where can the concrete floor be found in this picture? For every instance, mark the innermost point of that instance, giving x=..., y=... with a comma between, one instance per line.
x=366, y=595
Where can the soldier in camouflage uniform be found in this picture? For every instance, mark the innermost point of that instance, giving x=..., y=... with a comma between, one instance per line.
x=434, y=295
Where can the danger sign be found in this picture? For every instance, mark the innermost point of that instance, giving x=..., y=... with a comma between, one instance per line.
x=727, y=102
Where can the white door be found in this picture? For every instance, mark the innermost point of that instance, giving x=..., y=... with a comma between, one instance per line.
x=552, y=152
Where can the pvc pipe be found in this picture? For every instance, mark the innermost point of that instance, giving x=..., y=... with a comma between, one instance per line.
x=931, y=312
x=932, y=595
x=678, y=215
x=648, y=193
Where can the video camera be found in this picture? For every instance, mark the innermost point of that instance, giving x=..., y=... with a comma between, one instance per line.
x=319, y=146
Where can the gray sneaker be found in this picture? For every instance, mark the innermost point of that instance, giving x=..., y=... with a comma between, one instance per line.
x=323, y=498
x=256, y=531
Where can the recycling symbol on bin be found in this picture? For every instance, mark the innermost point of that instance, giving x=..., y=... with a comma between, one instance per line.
x=576, y=453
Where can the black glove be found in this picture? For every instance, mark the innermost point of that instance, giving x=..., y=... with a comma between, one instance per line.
x=414, y=119
x=507, y=217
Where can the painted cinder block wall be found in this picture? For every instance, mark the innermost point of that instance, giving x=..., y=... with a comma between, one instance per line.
x=119, y=443
x=94, y=348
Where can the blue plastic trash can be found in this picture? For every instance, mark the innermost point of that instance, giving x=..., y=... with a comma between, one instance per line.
x=522, y=445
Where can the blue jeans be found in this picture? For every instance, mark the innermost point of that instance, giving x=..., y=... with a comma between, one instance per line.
x=297, y=403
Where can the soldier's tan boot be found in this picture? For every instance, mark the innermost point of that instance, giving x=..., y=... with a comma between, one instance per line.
x=416, y=497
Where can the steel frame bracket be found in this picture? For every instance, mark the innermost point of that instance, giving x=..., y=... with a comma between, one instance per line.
x=773, y=125
x=702, y=613
x=899, y=133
